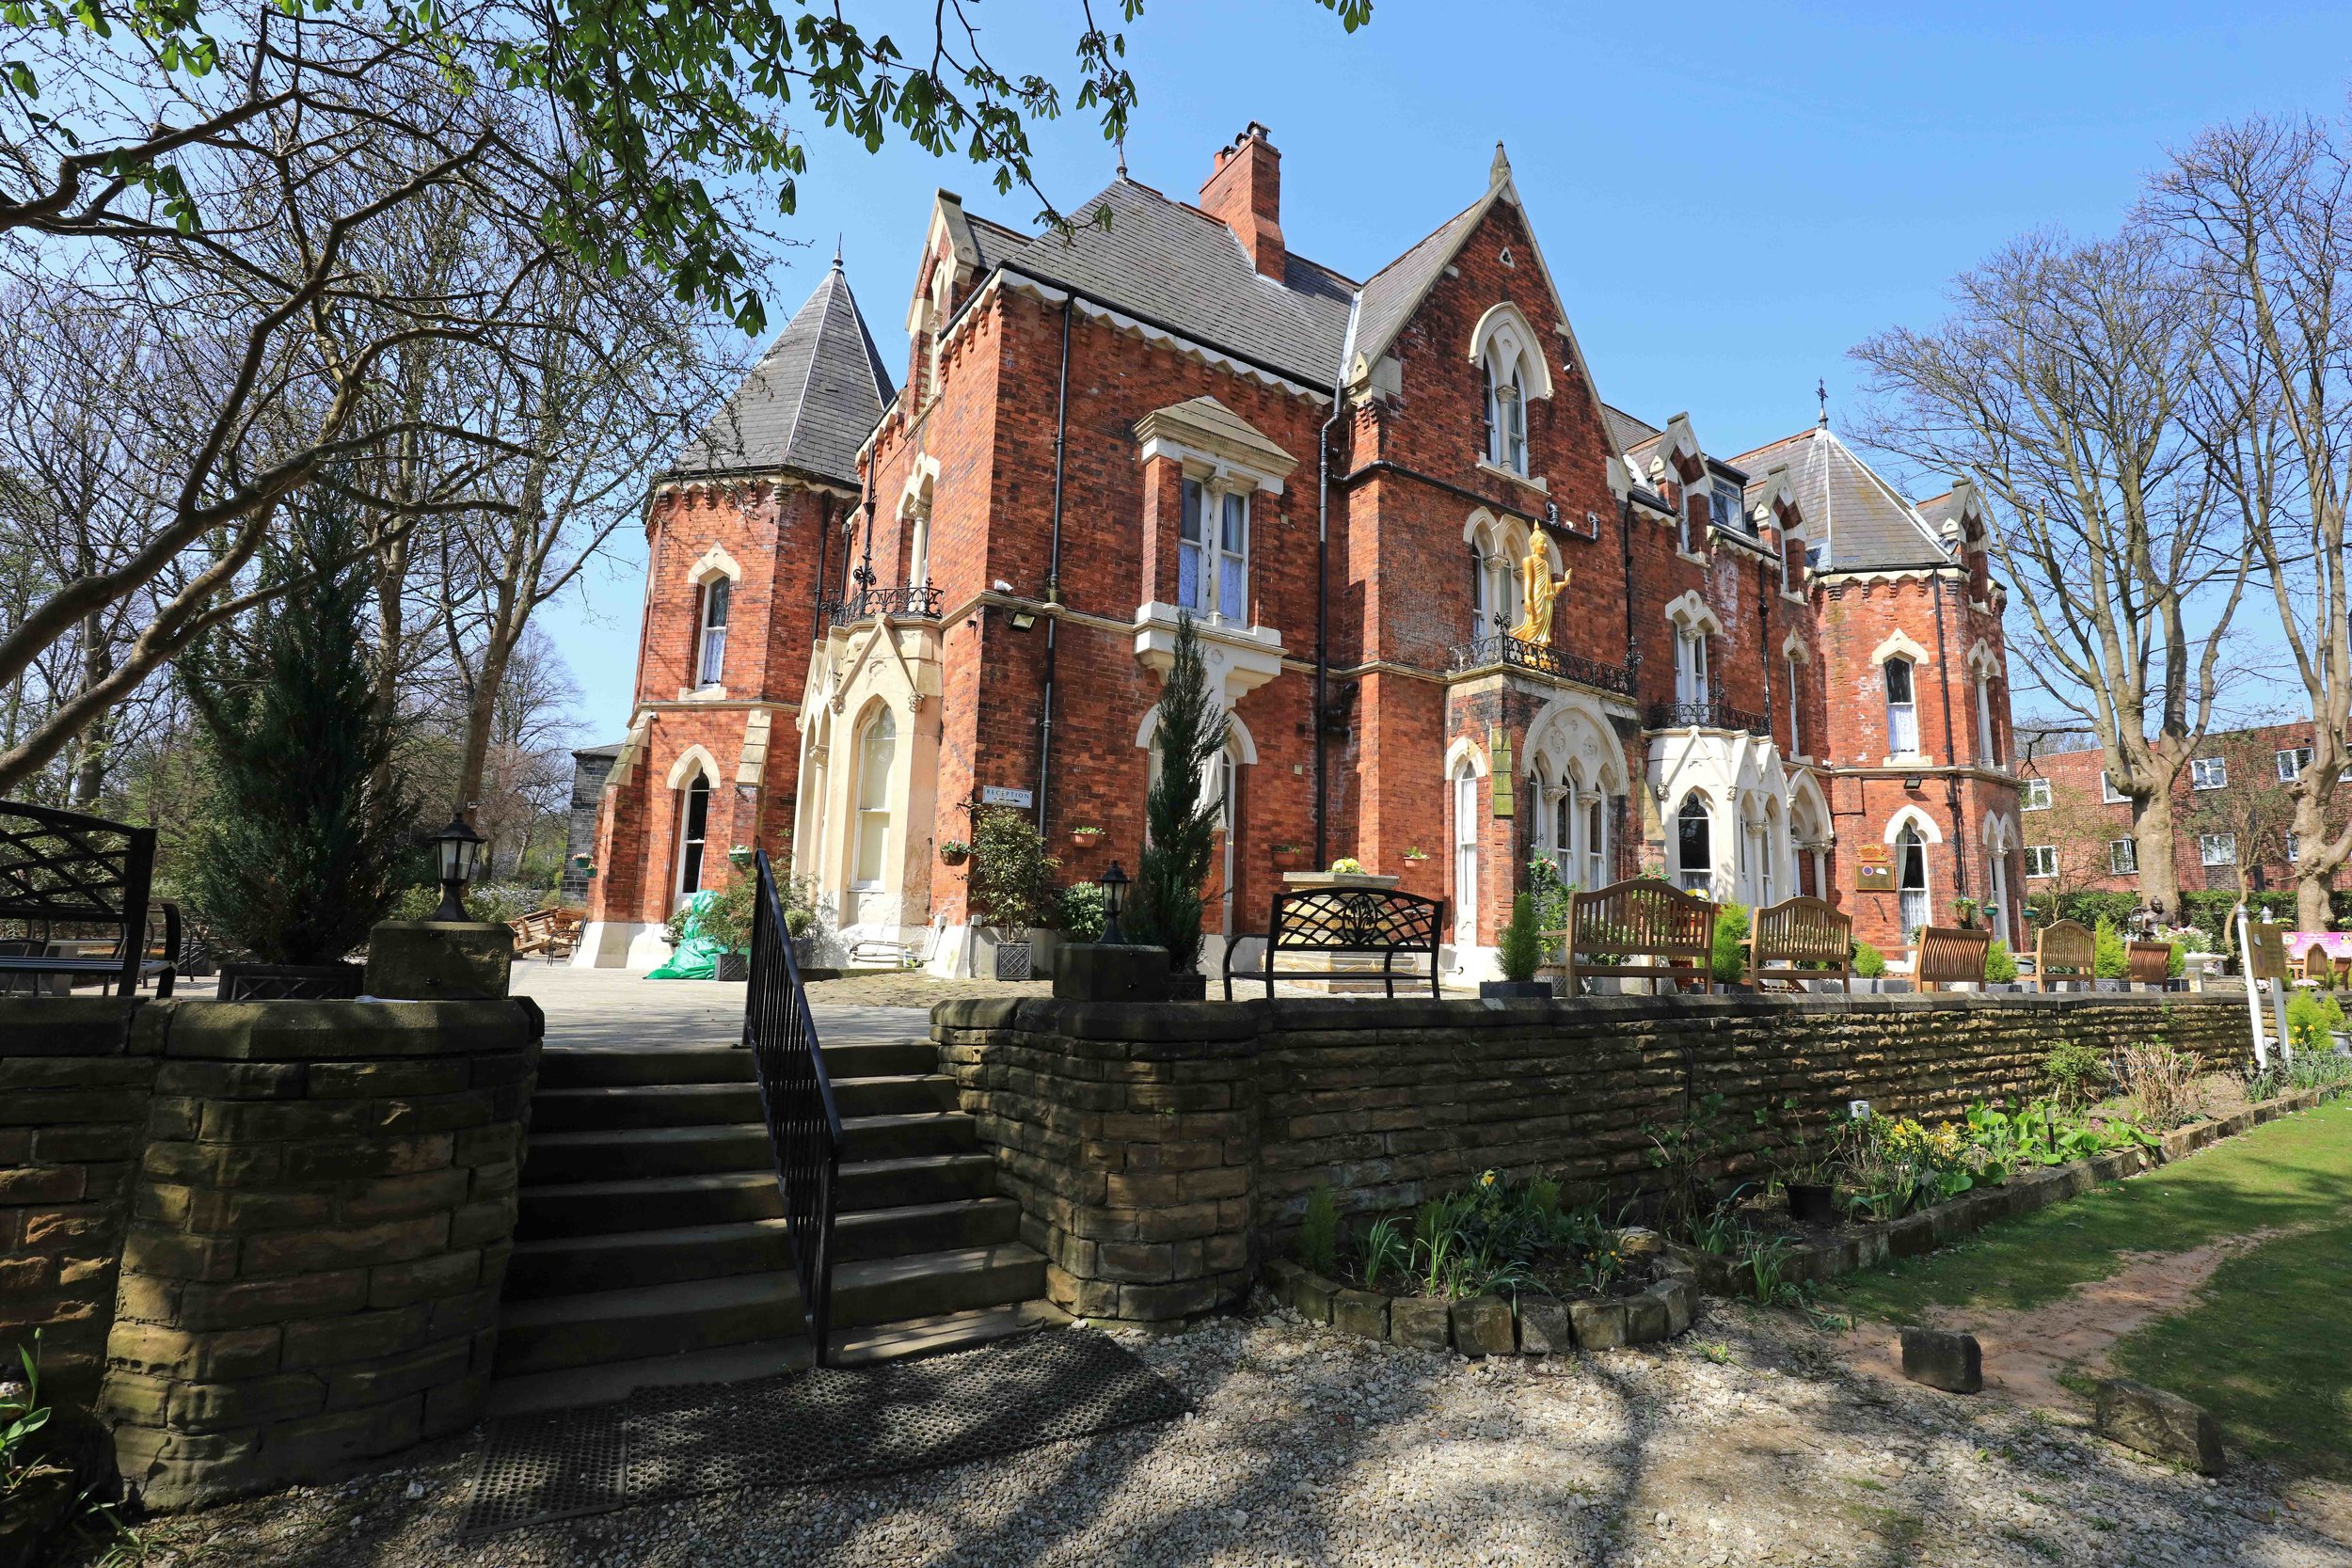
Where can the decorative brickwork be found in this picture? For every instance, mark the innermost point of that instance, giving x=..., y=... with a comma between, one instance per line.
x=1152, y=1147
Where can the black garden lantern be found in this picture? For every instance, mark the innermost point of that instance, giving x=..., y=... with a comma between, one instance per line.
x=1114, y=885
x=457, y=852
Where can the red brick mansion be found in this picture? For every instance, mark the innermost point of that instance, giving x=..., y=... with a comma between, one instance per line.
x=1461, y=611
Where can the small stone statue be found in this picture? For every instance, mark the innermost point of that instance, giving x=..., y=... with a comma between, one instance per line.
x=1539, y=590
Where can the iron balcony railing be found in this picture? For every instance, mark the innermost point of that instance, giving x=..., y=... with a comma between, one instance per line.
x=796, y=1099
x=919, y=599
x=1713, y=714
x=1544, y=660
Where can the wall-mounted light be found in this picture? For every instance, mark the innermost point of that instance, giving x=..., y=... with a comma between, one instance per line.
x=1023, y=618
x=1914, y=780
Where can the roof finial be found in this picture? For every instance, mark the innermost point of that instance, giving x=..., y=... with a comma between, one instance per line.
x=1821, y=389
x=1122, y=140
x=836, y=251
x=1500, y=170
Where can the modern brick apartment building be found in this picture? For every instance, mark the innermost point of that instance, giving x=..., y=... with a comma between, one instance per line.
x=870, y=613
x=2234, y=820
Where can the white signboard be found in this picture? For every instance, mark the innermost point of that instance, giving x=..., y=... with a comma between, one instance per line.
x=996, y=795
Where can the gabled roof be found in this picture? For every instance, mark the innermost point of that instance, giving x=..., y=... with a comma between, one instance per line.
x=1174, y=265
x=1394, y=291
x=810, y=401
x=1862, y=523
x=1626, y=431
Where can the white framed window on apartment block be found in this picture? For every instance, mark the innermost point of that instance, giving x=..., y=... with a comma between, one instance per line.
x=2108, y=793
x=2209, y=773
x=2217, y=848
x=2292, y=760
x=2294, y=846
x=2041, y=860
x=2123, y=857
x=2037, y=792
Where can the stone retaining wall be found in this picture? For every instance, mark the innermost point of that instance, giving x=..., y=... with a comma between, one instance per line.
x=74, y=1076
x=1157, y=1149
x=316, y=1236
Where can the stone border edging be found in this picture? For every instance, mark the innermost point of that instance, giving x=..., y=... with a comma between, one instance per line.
x=1923, y=1232
x=1487, y=1325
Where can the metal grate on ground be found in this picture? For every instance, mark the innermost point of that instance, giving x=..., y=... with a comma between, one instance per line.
x=833, y=1424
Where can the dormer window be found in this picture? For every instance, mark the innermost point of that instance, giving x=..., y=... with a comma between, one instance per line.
x=1213, y=552
x=711, y=645
x=1728, y=512
x=1505, y=392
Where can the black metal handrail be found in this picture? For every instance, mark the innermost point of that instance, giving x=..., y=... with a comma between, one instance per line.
x=1543, y=659
x=919, y=599
x=1713, y=714
x=796, y=1097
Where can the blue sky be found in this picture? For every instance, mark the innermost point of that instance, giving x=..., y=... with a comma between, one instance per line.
x=1729, y=196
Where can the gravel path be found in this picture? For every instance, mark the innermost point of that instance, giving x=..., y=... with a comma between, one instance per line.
x=1746, y=1441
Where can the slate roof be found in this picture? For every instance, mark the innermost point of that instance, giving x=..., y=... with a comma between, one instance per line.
x=1173, y=264
x=1936, y=512
x=1860, y=521
x=1626, y=431
x=1391, y=294
x=810, y=401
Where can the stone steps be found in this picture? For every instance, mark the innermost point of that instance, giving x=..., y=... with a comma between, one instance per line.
x=651, y=1247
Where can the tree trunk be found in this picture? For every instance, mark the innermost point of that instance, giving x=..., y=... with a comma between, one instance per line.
x=2322, y=851
x=2153, y=834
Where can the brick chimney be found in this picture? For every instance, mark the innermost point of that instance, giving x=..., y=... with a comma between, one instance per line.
x=1246, y=191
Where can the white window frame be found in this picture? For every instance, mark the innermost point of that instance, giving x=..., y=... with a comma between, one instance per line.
x=2122, y=857
x=691, y=846
x=1909, y=900
x=710, y=638
x=2290, y=761
x=2034, y=795
x=1796, y=706
x=2216, y=848
x=872, y=822
x=1985, y=751
x=1596, y=825
x=1690, y=674
x=1503, y=389
x=1212, y=506
x=2209, y=773
x=1902, y=717
x=1699, y=879
x=1465, y=854
x=2294, y=846
x=2041, y=859
x=2108, y=793
x=1724, y=497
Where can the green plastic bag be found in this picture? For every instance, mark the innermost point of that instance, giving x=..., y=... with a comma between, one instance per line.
x=698, y=957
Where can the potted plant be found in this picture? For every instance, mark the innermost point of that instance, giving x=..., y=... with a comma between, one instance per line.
x=1085, y=838
x=727, y=921
x=1416, y=853
x=1807, y=1167
x=1175, y=861
x=1520, y=952
x=1965, y=911
x=1013, y=892
x=1289, y=857
x=954, y=852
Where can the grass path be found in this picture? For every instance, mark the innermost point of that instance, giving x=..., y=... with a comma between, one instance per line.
x=2263, y=1345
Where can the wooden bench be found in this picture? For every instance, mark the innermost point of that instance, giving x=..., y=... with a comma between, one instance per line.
x=1644, y=918
x=1799, y=940
x=2147, y=963
x=2066, y=946
x=61, y=868
x=2314, y=966
x=553, y=933
x=1346, y=920
x=1945, y=955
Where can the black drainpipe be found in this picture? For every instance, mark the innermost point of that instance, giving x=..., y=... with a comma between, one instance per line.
x=1625, y=544
x=1764, y=621
x=824, y=538
x=1951, y=780
x=1053, y=569
x=1323, y=583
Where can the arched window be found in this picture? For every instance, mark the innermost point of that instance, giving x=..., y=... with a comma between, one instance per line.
x=1596, y=845
x=877, y=747
x=1690, y=683
x=1465, y=854
x=1694, y=845
x=1796, y=706
x=1564, y=825
x=1505, y=390
x=692, y=831
x=710, y=648
x=1903, y=713
x=1910, y=879
x=1986, y=751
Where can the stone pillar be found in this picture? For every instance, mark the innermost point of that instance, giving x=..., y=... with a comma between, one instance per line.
x=74, y=1075
x=317, y=1242
x=1129, y=1136
x=436, y=961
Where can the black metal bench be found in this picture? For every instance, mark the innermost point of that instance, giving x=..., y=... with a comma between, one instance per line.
x=61, y=869
x=1365, y=920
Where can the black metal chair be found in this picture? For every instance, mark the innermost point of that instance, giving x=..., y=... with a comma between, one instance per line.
x=1370, y=921
x=61, y=868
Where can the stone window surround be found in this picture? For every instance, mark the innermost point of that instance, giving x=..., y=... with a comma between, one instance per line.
x=714, y=563
x=1504, y=339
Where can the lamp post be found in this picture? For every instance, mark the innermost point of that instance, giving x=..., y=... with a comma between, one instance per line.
x=1114, y=885
x=457, y=850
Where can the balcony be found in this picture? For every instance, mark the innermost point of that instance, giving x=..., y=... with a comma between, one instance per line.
x=918, y=600
x=1543, y=660
x=1712, y=714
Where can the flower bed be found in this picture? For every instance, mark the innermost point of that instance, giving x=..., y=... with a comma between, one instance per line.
x=1782, y=1261
x=1500, y=1267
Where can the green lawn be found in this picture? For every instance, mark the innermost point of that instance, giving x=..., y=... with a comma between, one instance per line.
x=2264, y=1347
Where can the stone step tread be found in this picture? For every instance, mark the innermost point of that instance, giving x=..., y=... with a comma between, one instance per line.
x=780, y=1288
x=847, y=1224
x=761, y=1176
x=575, y=1138
x=596, y=1093
x=943, y=1332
